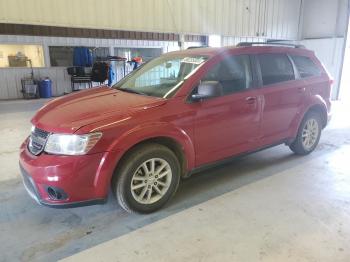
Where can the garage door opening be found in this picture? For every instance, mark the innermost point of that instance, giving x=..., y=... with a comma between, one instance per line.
x=345, y=81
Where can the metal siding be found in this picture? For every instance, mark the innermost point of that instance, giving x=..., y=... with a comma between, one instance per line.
x=234, y=40
x=235, y=20
x=224, y=17
x=10, y=78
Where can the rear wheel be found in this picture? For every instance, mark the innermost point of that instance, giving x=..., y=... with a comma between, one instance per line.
x=309, y=134
x=147, y=178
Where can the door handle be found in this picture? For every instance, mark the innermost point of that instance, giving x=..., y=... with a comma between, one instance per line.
x=250, y=100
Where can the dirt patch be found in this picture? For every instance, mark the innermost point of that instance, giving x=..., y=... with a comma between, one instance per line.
x=59, y=241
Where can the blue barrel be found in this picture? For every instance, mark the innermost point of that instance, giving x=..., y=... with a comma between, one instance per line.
x=45, y=88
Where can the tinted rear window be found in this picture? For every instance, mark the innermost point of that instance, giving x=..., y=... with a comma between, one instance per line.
x=275, y=68
x=306, y=66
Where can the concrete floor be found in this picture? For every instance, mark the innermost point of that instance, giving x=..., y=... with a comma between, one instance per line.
x=269, y=206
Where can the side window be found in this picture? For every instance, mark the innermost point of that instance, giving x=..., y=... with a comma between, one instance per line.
x=306, y=66
x=275, y=68
x=233, y=73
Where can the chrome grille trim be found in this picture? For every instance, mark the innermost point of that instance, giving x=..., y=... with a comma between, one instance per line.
x=37, y=141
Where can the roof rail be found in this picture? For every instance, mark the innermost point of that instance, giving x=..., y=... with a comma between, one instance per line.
x=194, y=47
x=242, y=44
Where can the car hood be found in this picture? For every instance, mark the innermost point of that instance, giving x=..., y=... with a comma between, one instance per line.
x=69, y=113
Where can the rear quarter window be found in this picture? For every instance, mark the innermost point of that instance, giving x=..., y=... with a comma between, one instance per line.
x=275, y=68
x=305, y=66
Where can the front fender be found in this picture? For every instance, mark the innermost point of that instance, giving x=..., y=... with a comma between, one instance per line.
x=144, y=132
x=127, y=140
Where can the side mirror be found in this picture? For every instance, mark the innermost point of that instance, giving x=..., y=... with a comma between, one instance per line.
x=207, y=89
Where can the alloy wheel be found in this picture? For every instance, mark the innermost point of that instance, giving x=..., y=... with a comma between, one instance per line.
x=151, y=181
x=310, y=133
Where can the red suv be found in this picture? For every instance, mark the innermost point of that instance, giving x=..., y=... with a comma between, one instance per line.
x=170, y=118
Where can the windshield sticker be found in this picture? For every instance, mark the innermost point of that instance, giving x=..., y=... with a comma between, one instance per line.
x=193, y=60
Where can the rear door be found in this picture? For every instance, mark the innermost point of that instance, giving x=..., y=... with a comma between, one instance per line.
x=282, y=96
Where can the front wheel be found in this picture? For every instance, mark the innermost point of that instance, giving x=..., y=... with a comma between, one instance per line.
x=147, y=178
x=309, y=134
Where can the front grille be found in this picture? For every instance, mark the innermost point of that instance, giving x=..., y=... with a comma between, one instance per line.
x=37, y=141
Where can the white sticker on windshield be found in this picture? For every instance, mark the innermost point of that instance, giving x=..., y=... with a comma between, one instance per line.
x=193, y=60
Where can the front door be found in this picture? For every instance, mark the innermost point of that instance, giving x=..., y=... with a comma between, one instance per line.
x=229, y=124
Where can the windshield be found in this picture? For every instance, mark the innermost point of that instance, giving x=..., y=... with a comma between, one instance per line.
x=161, y=77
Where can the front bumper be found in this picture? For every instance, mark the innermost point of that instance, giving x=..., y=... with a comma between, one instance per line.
x=84, y=180
x=32, y=190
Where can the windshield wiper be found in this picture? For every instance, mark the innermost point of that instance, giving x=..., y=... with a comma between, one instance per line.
x=131, y=91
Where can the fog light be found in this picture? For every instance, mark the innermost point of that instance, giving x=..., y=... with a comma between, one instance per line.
x=56, y=193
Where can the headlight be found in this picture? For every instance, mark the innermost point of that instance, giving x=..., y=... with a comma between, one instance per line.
x=71, y=144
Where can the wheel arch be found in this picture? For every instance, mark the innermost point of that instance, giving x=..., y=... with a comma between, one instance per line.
x=297, y=145
x=166, y=141
x=316, y=104
x=321, y=110
x=166, y=134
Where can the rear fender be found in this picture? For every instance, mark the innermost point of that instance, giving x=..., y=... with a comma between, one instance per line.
x=314, y=101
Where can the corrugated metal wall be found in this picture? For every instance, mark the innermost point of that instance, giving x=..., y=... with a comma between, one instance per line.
x=323, y=30
x=267, y=18
x=234, y=40
x=10, y=87
x=324, y=18
x=235, y=20
x=10, y=78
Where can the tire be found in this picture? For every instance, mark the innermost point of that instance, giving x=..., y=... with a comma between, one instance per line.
x=136, y=170
x=299, y=145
